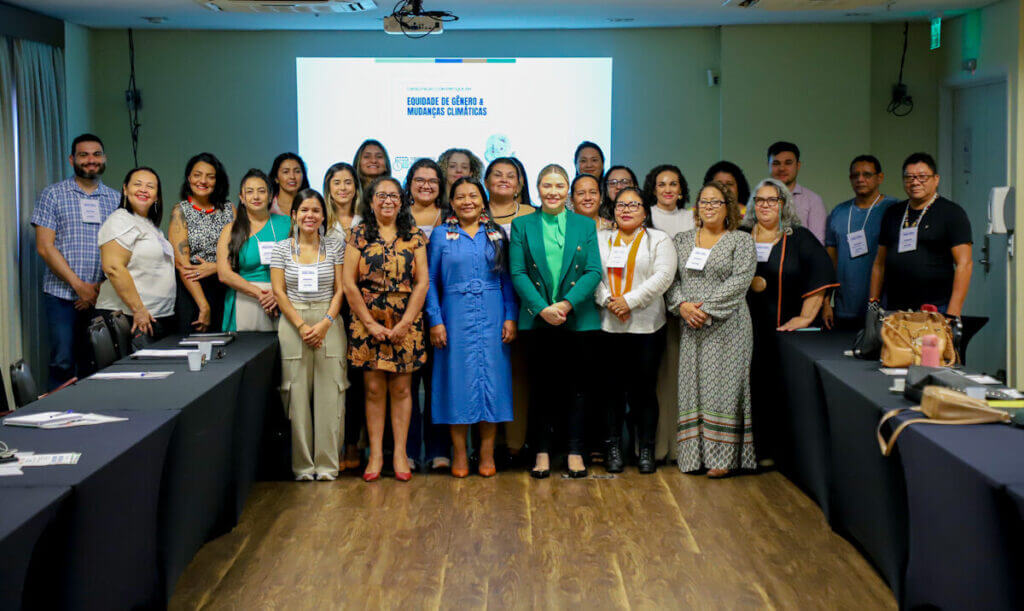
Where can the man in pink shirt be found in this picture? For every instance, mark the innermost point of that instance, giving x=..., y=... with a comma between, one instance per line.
x=784, y=163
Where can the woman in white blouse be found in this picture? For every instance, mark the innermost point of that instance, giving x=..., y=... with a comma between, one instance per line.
x=137, y=260
x=666, y=192
x=639, y=263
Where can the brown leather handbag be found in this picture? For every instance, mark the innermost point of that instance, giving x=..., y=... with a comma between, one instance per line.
x=942, y=406
x=902, y=333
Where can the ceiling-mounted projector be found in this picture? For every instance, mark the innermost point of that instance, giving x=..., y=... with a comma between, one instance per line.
x=413, y=25
x=409, y=19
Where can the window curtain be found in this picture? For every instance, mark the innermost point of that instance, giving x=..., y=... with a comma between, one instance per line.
x=10, y=327
x=42, y=159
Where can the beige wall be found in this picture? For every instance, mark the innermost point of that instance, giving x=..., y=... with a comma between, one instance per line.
x=233, y=93
x=993, y=36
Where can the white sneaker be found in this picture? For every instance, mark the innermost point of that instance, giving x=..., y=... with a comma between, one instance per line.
x=440, y=462
x=326, y=477
x=304, y=477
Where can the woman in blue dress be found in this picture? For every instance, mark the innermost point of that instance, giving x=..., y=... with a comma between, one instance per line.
x=472, y=311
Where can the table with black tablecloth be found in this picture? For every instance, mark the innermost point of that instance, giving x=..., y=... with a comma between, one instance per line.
x=204, y=475
x=24, y=517
x=105, y=556
x=941, y=518
x=803, y=455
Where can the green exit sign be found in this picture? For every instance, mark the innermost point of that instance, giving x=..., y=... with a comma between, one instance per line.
x=936, y=33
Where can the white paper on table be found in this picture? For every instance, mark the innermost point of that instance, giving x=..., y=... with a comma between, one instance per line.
x=161, y=354
x=46, y=460
x=43, y=420
x=130, y=375
x=88, y=419
x=10, y=469
x=893, y=371
x=196, y=342
x=982, y=379
x=1014, y=393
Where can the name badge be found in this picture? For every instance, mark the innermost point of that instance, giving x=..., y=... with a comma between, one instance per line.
x=858, y=243
x=764, y=251
x=309, y=279
x=617, y=257
x=266, y=252
x=90, y=209
x=698, y=258
x=908, y=240
x=165, y=246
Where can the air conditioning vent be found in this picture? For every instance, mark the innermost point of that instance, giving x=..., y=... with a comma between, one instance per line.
x=284, y=7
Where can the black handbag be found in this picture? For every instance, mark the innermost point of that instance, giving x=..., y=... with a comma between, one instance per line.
x=868, y=343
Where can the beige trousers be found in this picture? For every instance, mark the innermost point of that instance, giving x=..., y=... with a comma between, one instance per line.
x=668, y=394
x=249, y=314
x=318, y=377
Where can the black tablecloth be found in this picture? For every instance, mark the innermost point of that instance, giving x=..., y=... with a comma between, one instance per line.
x=203, y=488
x=24, y=514
x=964, y=550
x=105, y=557
x=936, y=516
x=805, y=453
x=869, y=499
x=209, y=464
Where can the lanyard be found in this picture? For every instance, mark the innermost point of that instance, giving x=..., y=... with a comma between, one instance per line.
x=923, y=211
x=866, y=217
x=616, y=273
x=322, y=248
x=273, y=232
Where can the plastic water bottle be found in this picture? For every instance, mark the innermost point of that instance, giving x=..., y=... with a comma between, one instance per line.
x=930, y=356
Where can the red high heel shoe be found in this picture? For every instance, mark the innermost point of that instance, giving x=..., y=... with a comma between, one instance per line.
x=403, y=477
x=371, y=477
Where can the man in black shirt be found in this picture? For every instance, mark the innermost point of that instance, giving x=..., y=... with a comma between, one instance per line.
x=924, y=250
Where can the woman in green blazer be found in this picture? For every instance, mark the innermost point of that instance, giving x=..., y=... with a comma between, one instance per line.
x=556, y=266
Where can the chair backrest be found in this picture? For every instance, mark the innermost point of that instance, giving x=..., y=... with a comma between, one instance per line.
x=121, y=329
x=23, y=385
x=4, y=405
x=102, y=343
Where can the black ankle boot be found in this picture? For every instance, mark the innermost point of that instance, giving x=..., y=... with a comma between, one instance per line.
x=613, y=457
x=646, y=462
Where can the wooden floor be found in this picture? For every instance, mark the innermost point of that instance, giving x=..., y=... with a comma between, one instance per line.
x=664, y=541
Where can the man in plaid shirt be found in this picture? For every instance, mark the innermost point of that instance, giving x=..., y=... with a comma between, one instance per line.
x=67, y=218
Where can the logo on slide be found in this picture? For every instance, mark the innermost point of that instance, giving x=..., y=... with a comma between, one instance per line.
x=498, y=145
x=402, y=163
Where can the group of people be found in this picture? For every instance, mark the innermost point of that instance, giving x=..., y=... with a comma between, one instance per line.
x=605, y=317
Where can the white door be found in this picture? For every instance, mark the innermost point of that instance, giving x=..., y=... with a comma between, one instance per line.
x=979, y=162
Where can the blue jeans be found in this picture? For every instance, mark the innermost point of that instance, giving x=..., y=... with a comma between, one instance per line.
x=70, y=354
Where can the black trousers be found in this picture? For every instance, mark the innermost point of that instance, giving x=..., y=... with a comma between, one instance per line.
x=630, y=364
x=561, y=369
x=186, y=310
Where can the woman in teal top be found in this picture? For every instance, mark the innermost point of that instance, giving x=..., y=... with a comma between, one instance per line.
x=556, y=266
x=243, y=257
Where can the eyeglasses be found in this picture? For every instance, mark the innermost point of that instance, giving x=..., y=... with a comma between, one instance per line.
x=711, y=203
x=384, y=197
x=921, y=178
x=864, y=175
x=767, y=202
x=628, y=206
x=620, y=182
x=419, y=180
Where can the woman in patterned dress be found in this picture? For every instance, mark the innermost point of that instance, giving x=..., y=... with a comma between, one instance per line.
x=715, y=266
x=386, y=284
x=196, y=224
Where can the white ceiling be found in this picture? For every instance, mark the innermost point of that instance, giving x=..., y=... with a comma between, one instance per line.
x=512, y=14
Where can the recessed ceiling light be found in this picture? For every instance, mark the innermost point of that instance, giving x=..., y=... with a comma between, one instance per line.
x=155, y=20
x=620, y=19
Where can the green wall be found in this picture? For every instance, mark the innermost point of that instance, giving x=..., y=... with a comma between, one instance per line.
x=823, y=86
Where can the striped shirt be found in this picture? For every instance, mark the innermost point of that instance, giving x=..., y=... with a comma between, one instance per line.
x=282, y=259
x=59, y=208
